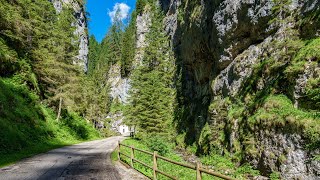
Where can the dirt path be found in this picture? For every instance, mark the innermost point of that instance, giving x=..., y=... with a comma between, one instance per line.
x=89, y=160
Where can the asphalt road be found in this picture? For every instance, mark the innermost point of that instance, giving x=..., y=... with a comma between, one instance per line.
x=89, y=160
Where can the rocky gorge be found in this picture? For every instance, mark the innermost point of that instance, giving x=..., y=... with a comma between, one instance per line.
x=245, y=83
x=235, y=61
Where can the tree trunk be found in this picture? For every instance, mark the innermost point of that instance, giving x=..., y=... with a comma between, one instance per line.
x=59, y=111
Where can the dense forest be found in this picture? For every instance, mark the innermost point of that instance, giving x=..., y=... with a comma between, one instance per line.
x=43, y=102
x=235, y=83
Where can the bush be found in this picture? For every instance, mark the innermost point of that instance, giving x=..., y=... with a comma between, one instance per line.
x=247, y=169
x=80, y=127
x=159, y=144
x=274, y=176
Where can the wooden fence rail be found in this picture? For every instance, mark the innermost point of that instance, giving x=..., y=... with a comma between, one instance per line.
x=199, y=170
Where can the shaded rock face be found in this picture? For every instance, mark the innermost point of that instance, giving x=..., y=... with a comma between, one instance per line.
x=119, y=86
x=81, y=25
x=143, y=26
x=217, y=45
x=207, y=36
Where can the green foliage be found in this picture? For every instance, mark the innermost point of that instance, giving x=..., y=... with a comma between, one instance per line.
x=275, y=176
x=39, y=48
x=116, y=107
x=129, y=46
x=140, y=4
x=37, y=56
x=175, y=170
x=278, y=111
x=191, y=149
x=217, y=163
x=152, y=94
x=29, y=127
x=81, y=128
x=225, y=164
x=246, y=169
x=94, y=49
x=158, y=143
x=307, y=57
x=309, y=51
x=313, y=92
x=205, y=139
x=94, y=97
x=179, y=140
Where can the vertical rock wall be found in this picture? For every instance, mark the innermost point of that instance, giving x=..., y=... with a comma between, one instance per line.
x=218, y=44
x=120, y=86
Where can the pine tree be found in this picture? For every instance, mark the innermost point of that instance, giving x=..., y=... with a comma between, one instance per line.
x=94, y=48
x=129, y=46
x=152, y=95
x=54, y=64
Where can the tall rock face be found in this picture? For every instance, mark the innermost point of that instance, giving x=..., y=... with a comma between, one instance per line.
x=81, y=29
x=120, y=86
x=143, y=26
x=242, y=52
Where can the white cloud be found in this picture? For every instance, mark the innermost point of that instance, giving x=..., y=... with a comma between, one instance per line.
x=123, y=10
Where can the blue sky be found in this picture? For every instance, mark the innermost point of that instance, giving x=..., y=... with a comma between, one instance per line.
x=101, y=12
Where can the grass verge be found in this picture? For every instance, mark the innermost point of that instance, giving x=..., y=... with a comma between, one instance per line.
x=221, y=164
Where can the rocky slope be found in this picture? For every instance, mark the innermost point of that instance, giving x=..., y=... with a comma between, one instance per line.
x=224, y=48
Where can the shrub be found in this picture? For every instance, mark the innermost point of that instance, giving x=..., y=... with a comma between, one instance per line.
x=159, y=144
x=274, y=176
x=79, y=126
x=247, y=169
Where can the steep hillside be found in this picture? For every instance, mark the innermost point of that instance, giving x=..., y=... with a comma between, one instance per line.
x=42, y=99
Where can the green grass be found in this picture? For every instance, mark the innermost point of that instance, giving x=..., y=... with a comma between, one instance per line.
x=219, y=163
x=175, y=170
x=28, y=127
x=225, y=165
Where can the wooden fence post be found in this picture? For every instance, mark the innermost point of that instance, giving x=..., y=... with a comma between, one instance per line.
x=198, y=171
x=155, y=166
x=119, y=150
x=132, y=156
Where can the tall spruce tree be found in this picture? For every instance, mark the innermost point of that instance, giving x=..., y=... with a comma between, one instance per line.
x=129, y=46
x=152, y=95
x=94, y=48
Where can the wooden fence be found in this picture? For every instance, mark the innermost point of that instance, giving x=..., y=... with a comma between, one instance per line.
x=199, y=170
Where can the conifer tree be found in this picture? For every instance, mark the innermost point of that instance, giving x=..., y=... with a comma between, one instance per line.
x=129, y=46
x=152, y=95
x=93, y=55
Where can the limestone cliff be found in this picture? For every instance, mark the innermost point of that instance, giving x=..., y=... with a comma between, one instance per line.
x=120, y=86
x=238, y=52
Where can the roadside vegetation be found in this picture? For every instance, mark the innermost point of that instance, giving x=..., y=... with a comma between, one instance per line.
x=217, y=163
x=29, y=127
x=44, y=97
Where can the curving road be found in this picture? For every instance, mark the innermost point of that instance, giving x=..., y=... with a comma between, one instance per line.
x=89, y=160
